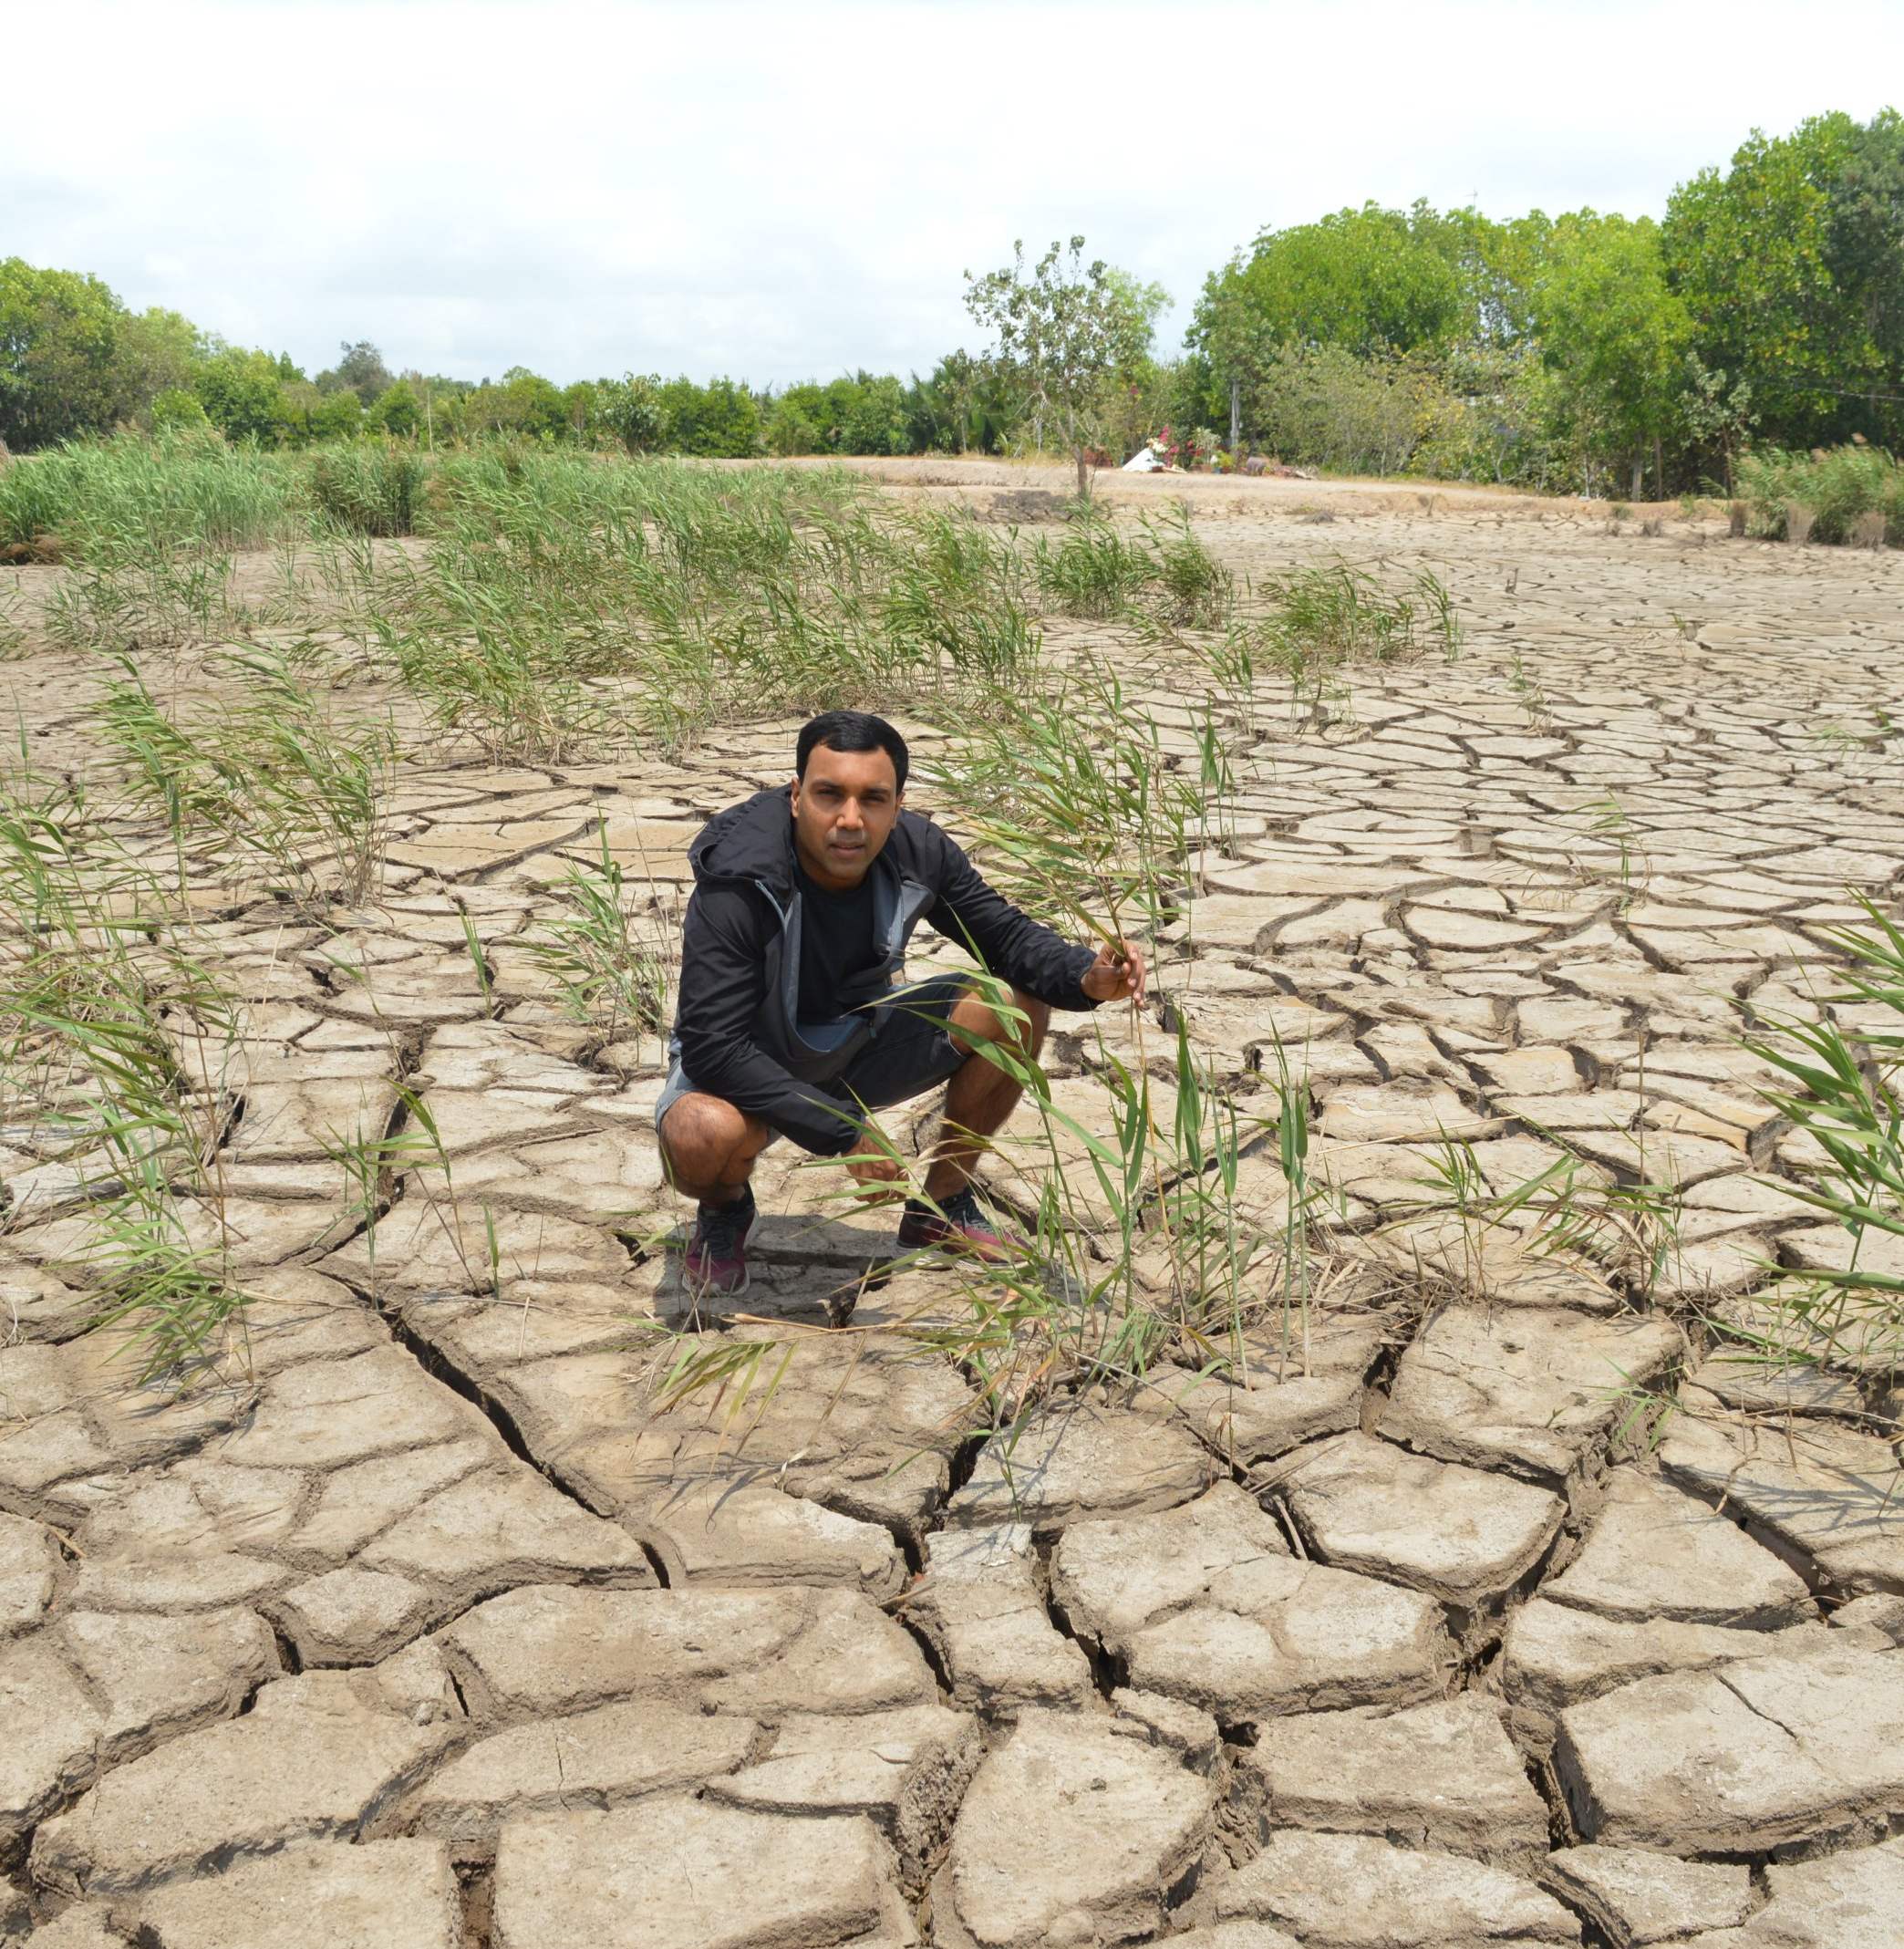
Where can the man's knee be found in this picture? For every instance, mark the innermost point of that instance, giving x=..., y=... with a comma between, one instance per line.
x=1031, y=1033
x=700, y=1134
x=1021, y=1025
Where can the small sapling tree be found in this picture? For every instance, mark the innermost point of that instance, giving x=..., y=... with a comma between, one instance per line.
x=1061, y=326
x=633, y=408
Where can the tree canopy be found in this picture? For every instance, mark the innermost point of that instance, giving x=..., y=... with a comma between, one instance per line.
x=1062, y=327
x=1790, y=264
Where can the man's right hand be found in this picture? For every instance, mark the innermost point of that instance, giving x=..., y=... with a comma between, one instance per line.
x=1116, y=973
x=880, y=1178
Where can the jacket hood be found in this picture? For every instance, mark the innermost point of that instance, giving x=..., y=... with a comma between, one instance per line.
x=754, y=841
x=750, y=841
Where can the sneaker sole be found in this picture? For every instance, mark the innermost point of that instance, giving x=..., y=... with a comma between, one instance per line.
x=958, y=1246
x=700, y=1285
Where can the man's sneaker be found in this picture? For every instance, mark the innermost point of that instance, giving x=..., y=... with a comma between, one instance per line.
x=715, y=1259
x=960, y=1224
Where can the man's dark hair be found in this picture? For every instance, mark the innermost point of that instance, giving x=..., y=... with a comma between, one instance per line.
x=851, y=730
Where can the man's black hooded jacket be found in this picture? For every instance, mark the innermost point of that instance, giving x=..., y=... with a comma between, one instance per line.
x=738, y=1030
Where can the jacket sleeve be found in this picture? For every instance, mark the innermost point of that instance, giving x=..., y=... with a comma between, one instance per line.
x=723, y=977
x=1010, y=943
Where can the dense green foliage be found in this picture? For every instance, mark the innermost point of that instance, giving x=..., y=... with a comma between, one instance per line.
x=73, y=359
x=1791, y=268
x=1579, y=352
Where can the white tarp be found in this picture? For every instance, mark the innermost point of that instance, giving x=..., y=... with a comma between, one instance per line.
x=1144, y=461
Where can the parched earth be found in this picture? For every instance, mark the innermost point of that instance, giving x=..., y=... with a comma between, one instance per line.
x=428, y=1626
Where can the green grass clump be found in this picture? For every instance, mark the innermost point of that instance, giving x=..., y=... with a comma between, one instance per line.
x=1195, y=589
x=118, y=1053
x=373, y=489
x=1846, y=1093
x=602, y=955
x=1094, y=571
x=1074, y=804
x=279, y=775
x=1337, y=613
x=148, y=528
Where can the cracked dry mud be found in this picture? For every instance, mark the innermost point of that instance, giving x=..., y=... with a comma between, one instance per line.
x=430, y=1631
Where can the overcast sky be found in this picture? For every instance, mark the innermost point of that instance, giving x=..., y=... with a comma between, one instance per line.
x=787, y=190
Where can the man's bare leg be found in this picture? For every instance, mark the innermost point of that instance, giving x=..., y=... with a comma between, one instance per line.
x=981, y=1096
x=709, y=1147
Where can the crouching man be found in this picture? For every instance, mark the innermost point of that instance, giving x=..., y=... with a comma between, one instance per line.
x=795, y=1017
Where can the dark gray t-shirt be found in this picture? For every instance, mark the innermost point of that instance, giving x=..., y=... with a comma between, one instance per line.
x=837, y=951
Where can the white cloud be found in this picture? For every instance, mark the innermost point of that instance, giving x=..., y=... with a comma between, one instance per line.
x=774, y=190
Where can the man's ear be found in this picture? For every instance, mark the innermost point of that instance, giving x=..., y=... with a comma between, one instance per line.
x=793, y=798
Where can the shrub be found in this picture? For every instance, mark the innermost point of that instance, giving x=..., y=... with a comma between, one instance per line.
x=178, y=410
x=398, y=411
x=1838, y=487
x=719, y=420
x=631, y=408
x=1195, y=587
x=1326, y=408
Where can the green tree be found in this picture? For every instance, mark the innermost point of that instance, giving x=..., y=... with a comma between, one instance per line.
x=863, y=413
x=1061, y=327
x=397, y=411
x=1367, y=280
x=1865, y=250
x=73, y=360
x=360, y=367
x=964, y=406
x=631, y=408
x=1787, y=263
x=1616, y=337
x=875, y=420
x=582, y=406
x=524, y=404
x=158, y=351
x=335, y=416
x=719, y=420
x=802, y=419
x=1718, y=414
x=1371, y=281
x=242, y=395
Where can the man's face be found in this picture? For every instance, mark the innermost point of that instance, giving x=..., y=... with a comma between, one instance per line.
x=843, y=812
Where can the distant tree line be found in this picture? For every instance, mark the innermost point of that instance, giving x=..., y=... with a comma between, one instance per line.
x=1766, y=308
x=1581, y=351
x=75, y=362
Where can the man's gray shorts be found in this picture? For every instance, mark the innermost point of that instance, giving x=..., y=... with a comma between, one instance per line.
x=911, y=1051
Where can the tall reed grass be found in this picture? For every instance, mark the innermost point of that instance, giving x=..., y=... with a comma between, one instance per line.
x=109, y=497
x=1846, y=1092
x=562, y=601
x=271, y=768
x=117, y=1051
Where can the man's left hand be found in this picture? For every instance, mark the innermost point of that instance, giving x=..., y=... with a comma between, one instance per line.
x=1117, y=972
x=878, y=1178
